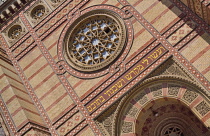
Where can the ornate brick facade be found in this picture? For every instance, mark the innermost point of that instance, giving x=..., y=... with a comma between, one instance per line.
x=105, y=67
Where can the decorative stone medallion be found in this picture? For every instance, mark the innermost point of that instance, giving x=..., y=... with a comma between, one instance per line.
x=14, y=32
x=94, y=40
x=37, y=12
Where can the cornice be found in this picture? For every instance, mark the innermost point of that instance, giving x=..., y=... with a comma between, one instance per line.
x=9, y=8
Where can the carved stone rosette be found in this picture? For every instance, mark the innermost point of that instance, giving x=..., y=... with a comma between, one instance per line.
x=37, y=12
x=14, y=31
x=94, y=40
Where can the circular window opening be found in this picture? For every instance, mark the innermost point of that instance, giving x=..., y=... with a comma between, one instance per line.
x=38, y=12
x=15, y=32
x=173, y=131
x=95, y=39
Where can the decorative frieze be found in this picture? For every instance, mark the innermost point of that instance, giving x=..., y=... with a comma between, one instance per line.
x=203, y=108
x=190, y=95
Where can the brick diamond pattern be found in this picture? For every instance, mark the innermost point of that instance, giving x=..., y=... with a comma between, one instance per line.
x=23, y=46
x=71, y=123
x=57, y=17
x=181, y=32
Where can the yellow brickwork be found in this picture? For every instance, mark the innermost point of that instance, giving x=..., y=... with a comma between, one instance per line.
x=42, y=94
x=86, y=132
x=193, y=49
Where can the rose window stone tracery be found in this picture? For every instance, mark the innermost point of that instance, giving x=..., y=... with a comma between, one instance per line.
x=173, y=131
x=97, y=39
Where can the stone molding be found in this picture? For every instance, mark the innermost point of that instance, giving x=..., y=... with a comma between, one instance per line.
x=202, y=106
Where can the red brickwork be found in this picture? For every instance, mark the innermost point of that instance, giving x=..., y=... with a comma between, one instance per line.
x=55, y=98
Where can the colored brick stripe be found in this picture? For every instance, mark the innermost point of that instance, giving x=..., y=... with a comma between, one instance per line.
x=129, y=119
x=149, y=94
x=37, y=58
x=94, y=87
x=129, y=134
x=18, y=89
x=206, y=70
x=161, y=14
x=51, y=46
x=18, y=97
x=5, y=88
x=104, y=1
x=45, y=78
x=9, y=69
x=136, y=104
x=32, y=62
x=63, y=112
x=192, y=41
x=10, y=78
x=78, y=83
x=196, y=101
x=26, y=122
x=206, y=117
x=135, y=4
x=23, y=108
x=149, y=8
x=138, y=33
x=38, y=71
x=200, y=54
x=49, y=76
x=51, y=89
x=56, y=101
x=181, y=92
x=140, y=49
x=118, y=4
x=173, y=22
x=165, y=89
x=24, y=52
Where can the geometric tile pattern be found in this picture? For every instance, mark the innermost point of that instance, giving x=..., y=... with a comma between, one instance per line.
x=181, y=32
x=70, y=123
x=54, y=97
x=57, y=17
x=23, y=46
x=203, y=108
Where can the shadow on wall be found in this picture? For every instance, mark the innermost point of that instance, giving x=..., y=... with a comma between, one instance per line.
x=194, y=22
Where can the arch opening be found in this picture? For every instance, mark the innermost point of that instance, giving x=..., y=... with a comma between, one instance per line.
x=164, y=106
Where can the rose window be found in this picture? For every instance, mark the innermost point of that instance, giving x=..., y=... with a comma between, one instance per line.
x=173, y=131
x=38, y=12
x=15, y=32
x=96, y=40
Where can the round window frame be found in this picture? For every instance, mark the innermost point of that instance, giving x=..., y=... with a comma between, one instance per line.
x=174, y=125
x=74, y=27
x=33, y=12
x=14, y=28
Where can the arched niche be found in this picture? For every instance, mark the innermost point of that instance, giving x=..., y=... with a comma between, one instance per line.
x=163, y=105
